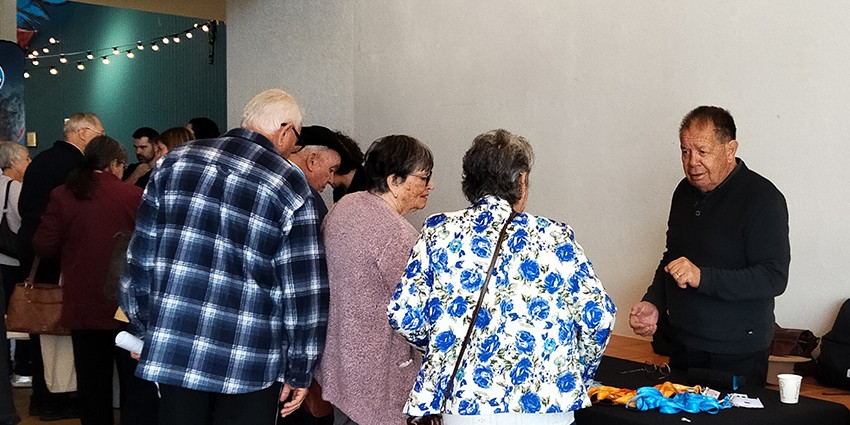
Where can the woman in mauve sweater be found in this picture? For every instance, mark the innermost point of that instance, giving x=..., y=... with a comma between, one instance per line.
x=367, y=369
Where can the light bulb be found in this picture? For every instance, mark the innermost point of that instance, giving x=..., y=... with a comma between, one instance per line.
x=63, y=59
x=35, y=62
x=45, y=50
x=52, y=40
x=154, y=47
x=89, y=56
x=80, y=66
x=165, y=40
x=140, y=46
x=189, y=34
x=105, y=60
x=26, y=74
x=34, y=53
x=53, y=70
x=205, y=28
x=130, y=54
x=176, y=38
x=115, y=51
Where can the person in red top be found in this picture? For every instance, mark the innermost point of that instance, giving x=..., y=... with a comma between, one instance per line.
x=79, y=226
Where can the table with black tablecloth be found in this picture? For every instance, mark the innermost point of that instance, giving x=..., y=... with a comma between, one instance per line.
x=807, y=411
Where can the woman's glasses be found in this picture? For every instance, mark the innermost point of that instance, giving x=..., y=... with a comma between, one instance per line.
x=426, y=178
x=663, y=370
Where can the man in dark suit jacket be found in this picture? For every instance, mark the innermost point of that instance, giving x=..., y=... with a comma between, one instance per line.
x=48, y=170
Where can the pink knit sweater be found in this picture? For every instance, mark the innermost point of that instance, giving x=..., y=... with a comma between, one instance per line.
x=367, y=370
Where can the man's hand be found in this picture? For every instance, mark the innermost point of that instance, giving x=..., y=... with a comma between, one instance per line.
x=643, y=318
x=140, y=171
x=684, y=272
x=298, y=395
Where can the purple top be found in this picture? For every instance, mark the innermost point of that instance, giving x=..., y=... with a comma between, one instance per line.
x=367, y=369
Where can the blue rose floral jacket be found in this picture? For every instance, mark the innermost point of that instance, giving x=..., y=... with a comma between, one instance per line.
x=542, y=328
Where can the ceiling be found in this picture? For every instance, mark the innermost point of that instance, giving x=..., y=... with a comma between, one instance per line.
x=205, y=9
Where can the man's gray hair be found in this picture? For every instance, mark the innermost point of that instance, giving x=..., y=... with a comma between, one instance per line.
x=269, y=109
x=80, y=120
x=493, y=164
x=11, y=152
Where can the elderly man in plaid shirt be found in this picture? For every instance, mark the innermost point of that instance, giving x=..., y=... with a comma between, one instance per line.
x=226, y=280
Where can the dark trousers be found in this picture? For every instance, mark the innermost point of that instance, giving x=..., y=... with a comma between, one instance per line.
x=181, y=406
x=95, y=354
x=751, y=366
x=7, y=407
x=140, y=401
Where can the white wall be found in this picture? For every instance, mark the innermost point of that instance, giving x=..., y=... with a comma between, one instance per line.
x=598, y=87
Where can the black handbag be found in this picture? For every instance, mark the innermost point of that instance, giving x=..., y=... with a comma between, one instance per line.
x=8, y=238
x=437, y=419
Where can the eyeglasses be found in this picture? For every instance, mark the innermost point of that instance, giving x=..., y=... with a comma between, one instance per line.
x=651, y=368
x=297, y=136
x=96, y=133
x=426, y=178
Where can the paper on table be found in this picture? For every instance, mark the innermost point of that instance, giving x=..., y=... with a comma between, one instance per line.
x=742, y=400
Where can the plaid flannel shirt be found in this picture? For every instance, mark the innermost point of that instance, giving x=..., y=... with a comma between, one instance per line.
x=225, y=278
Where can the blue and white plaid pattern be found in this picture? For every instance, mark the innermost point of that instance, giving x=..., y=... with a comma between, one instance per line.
x=226, y=278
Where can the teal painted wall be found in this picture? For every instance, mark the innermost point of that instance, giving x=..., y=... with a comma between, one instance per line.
x=155, y=89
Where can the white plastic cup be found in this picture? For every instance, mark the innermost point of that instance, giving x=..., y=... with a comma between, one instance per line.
x=789, y=387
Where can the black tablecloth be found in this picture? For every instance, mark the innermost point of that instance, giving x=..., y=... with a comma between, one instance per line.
x=807, y=411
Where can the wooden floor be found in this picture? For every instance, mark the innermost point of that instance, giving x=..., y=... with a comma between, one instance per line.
x=621, y=346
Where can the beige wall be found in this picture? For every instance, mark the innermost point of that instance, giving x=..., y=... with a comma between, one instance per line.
x=7, y=20
x=206, y=9
x=599, y=89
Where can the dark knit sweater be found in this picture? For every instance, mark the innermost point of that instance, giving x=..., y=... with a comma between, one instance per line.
x=737, y=234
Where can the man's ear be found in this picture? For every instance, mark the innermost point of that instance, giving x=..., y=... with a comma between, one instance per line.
x=731, y=150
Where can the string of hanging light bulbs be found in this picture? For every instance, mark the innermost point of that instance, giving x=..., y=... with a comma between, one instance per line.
x=37, y=56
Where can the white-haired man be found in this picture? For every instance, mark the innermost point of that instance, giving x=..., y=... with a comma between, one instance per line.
x=225, y=275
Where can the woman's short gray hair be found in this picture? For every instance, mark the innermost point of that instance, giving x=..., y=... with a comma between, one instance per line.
x=493, y=164
x=11, y=152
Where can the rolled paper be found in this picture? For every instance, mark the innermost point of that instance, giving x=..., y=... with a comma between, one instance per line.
x=129, y=342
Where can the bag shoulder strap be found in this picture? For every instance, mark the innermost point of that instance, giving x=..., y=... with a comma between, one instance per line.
x=489, y=274
x=6, y=202
x=31, y=278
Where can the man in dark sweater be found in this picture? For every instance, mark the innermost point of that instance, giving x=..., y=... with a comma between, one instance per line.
x=727, y=257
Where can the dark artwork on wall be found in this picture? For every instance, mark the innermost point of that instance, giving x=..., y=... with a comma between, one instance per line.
x=11, y=92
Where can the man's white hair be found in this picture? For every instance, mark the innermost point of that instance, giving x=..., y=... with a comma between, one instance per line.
x=81, y=120
x=266, y=111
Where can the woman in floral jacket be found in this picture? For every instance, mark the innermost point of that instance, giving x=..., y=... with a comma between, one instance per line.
x=545, y=319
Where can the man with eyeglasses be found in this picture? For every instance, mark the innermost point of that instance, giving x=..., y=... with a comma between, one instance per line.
x=48, y=170
x=225, y=280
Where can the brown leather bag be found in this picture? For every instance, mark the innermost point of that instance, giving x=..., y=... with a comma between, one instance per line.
x=793, y=342
x=36, y=308
x=314, y=404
